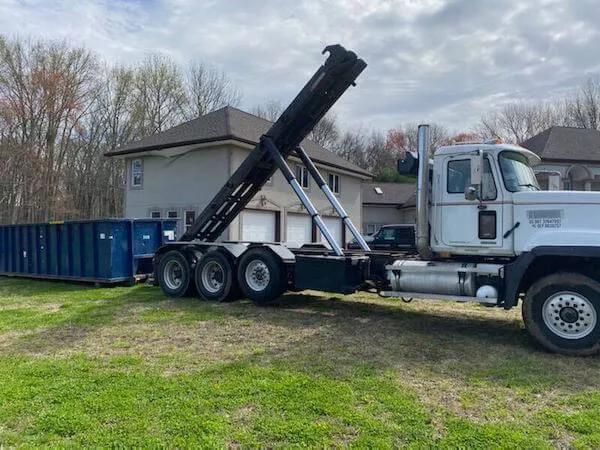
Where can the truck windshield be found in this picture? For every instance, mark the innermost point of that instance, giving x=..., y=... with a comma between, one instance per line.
x=517, y=174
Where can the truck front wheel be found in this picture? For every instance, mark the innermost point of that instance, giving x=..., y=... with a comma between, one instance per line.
x=174, y=274
x=561, y=312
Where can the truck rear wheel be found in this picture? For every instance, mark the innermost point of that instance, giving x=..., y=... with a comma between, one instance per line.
x=562, y=313
x=261, y=276
x=174, y=274
x=215, y=278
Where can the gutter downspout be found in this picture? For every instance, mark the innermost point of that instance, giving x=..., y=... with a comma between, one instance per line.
x=423, y=193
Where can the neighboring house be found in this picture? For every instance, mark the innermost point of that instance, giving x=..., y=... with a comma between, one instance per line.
x=387, y=203
x=570, y=158
x=176, y=173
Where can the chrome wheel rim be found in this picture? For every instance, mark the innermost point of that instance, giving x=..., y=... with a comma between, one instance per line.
x=257, y=275
x=173, y=274
x=213, y=277
x=569, y=315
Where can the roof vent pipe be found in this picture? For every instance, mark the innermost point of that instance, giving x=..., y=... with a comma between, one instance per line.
x=423, y=193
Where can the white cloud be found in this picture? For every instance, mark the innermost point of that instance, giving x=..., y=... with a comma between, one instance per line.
x=429, y=60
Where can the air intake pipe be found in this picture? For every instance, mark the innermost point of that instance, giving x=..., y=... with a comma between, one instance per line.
x=423, y=193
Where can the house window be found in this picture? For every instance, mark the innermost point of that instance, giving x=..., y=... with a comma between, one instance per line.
x=137, y=173
x=155, y=214
x=302, y=176
x=172, y=215
x=190, y=216
x=334, y=183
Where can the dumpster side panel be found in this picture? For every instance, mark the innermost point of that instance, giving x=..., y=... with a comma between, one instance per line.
x=120, y=242
x=146, y=237
x=42, y=249
x=76, y=250
x=2, y=250
x=106, y=251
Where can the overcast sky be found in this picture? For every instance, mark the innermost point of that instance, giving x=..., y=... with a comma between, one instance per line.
x=428, y=60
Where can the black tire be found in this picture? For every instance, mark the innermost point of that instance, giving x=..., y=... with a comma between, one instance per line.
x=173, y=274
x=562, y=312
x=261, y=276
x=215, y=278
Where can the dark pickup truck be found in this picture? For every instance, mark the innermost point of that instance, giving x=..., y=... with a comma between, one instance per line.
x=390, y=237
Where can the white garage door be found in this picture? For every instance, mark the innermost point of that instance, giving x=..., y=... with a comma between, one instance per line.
x=334, y=225
x=258, y=226
x=298, y=229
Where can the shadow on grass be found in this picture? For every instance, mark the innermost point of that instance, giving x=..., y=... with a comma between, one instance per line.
x=349, y=336
x=480, y=349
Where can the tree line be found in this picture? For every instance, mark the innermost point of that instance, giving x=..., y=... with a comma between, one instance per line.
x=62, y=108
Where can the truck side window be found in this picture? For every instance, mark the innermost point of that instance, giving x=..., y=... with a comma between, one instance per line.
x=386, y=234
x=459, y=175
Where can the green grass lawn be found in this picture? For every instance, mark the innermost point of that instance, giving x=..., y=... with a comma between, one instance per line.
x=84, y=366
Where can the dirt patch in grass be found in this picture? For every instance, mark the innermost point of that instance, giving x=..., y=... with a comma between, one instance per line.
x=168, y=342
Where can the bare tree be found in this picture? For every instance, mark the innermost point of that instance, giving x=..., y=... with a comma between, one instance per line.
x=583, y=110
x=45, y=87
x=377, y=155
x=160, y=100
x=326, y=133
x=208, y=89
x=405, y=138
x=351, y=146
x=96, y=182
x=269, y=111
x=60, y=111
x=517, y=122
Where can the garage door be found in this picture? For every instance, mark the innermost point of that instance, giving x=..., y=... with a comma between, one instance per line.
x=334, y=225
x=298, y=229
x=258, y=226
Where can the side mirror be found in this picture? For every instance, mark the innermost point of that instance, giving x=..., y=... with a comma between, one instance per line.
x=409, y=164
x=477, y=168
x=472, y=192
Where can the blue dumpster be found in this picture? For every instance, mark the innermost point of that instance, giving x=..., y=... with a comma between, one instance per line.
x=106, y=251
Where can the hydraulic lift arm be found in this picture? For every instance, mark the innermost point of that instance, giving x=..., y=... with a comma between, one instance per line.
x=326, y=86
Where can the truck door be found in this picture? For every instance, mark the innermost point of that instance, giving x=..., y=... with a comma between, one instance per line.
x=465, y=223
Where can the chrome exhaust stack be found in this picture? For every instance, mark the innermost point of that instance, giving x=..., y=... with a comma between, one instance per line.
x=423, y=193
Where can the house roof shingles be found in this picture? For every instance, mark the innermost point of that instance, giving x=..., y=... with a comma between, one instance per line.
x=399, y=194
x=224, y=124
x=566, y=144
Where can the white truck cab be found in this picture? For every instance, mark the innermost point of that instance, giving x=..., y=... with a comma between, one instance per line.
x=508, y=213
x=485, y=232
x=462, y=226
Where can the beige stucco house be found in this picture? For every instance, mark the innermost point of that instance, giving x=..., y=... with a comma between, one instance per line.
x=174, y=174
x=570, y=158
x=386, y=204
